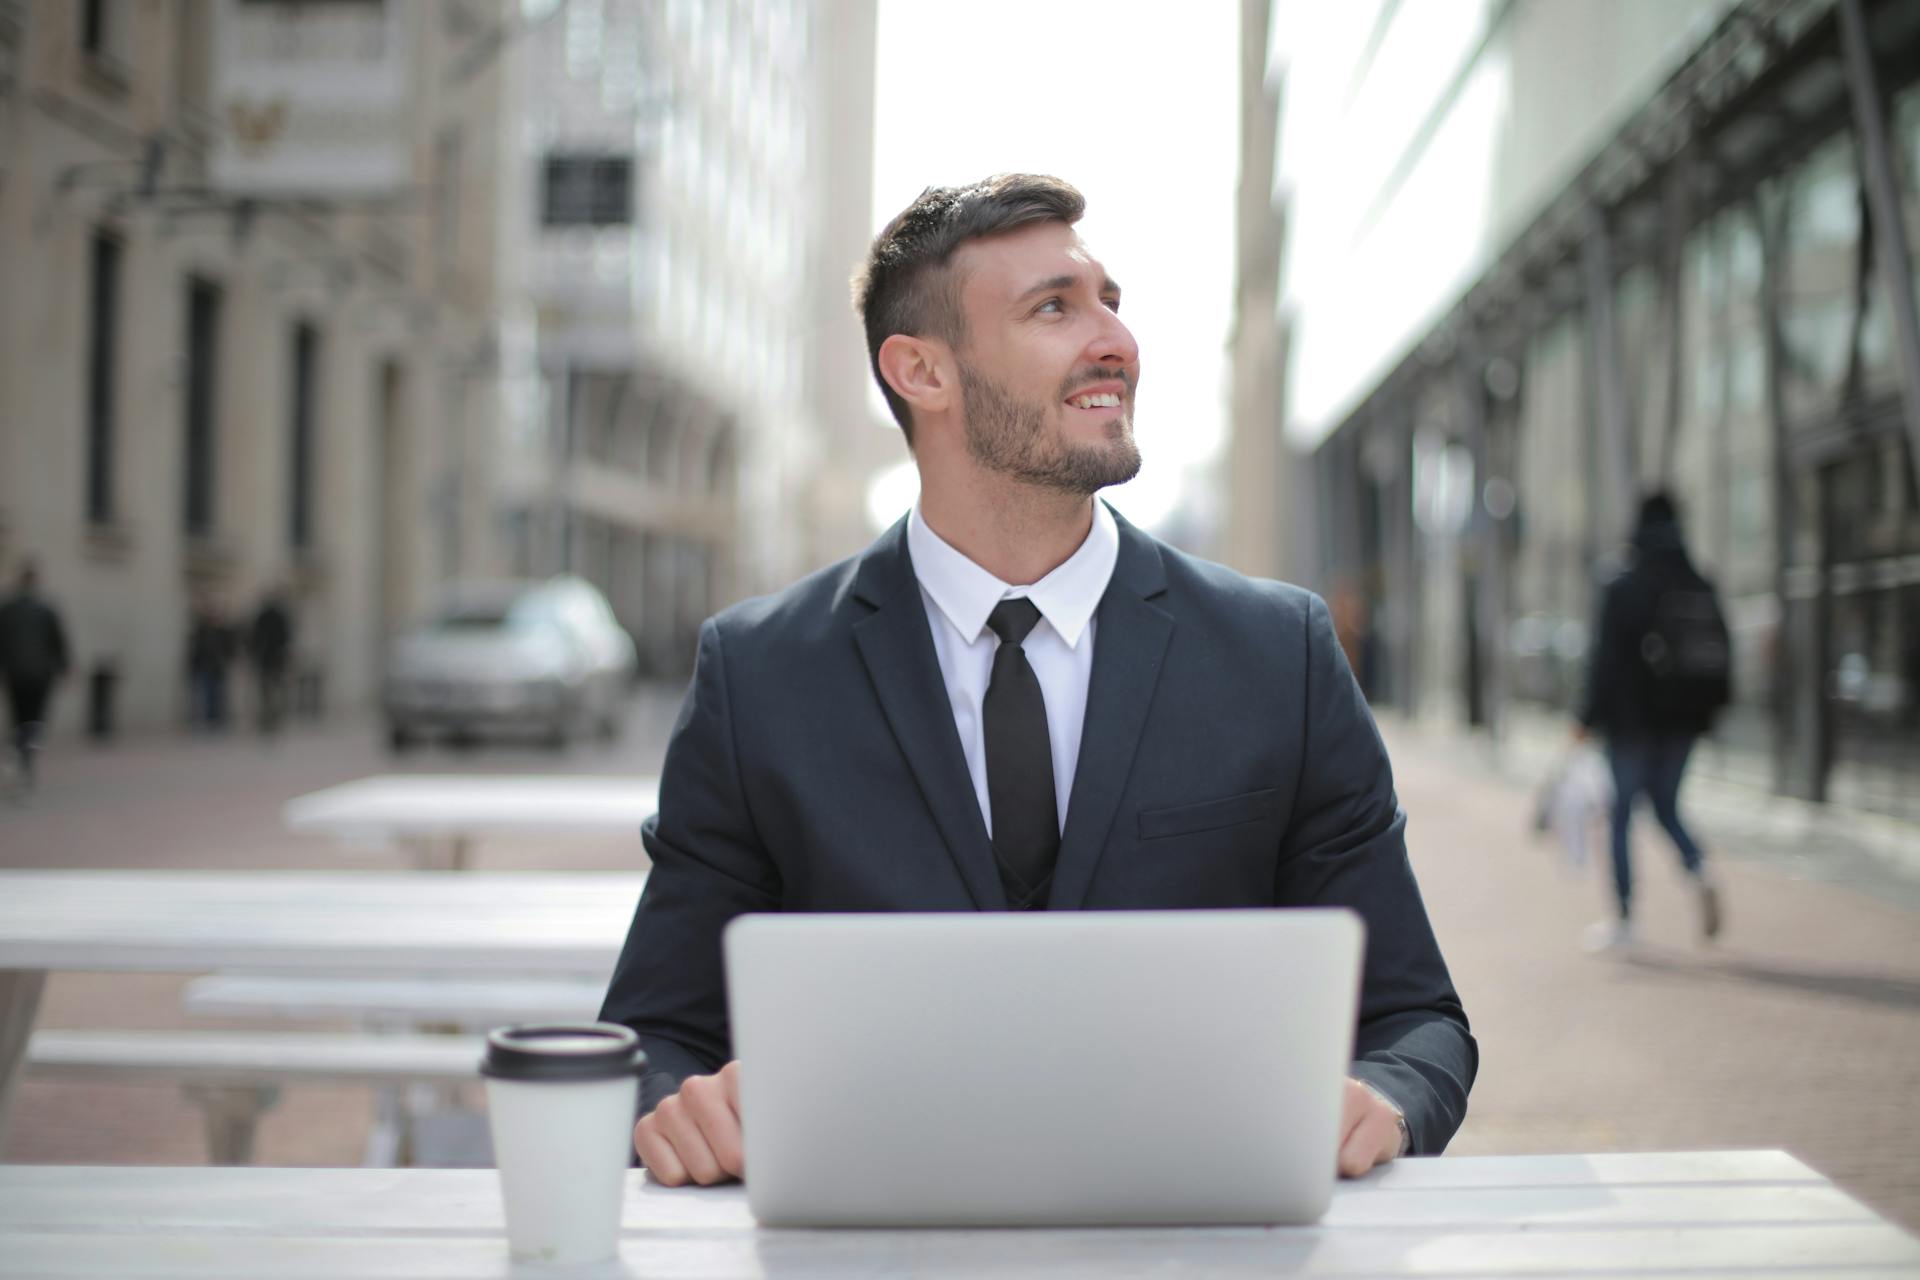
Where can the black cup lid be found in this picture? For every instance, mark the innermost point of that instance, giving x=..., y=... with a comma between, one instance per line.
x=563, y=1051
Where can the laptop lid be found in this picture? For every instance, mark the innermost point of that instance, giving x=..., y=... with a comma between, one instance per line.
x=1160, y=1067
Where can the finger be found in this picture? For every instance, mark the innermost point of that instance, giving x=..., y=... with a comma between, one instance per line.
x=657, y=1154
x=1354, y=1105
x=680, y=1128
x=717, y=1121
x=1368, y=1145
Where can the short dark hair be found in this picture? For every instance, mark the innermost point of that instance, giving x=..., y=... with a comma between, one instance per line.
x=1657, y=507
x=904, y=285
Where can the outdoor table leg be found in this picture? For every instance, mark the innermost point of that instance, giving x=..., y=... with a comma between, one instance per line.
x=19, y=1002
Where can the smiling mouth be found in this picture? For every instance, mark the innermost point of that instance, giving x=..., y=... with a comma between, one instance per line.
x=1096, y=400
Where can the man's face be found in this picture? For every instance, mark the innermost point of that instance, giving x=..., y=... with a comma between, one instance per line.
x=1047, y=371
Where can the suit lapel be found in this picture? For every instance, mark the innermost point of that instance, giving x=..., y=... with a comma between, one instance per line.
x=1129, y=643
x=897, y=647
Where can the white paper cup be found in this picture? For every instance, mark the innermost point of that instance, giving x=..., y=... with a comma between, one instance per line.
x=561, y=1099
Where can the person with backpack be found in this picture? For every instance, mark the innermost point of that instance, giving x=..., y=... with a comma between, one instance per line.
x=1661, y=671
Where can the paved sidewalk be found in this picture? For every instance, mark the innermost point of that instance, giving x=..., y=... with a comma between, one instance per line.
x=1800, y=1029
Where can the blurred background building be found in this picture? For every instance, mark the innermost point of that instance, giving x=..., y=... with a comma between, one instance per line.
x=1544, y=256
x=702, y=173
x=251, y=257
x=361, y=299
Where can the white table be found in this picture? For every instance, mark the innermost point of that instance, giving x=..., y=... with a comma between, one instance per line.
x=504, y=923
x=1701, y=1215
x=435, y=817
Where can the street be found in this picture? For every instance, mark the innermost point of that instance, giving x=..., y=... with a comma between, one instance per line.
x=1799, y=1029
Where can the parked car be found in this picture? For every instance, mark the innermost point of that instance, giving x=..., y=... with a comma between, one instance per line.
x=542, y=658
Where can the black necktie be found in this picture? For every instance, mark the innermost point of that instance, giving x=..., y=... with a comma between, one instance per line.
x=1026, y=826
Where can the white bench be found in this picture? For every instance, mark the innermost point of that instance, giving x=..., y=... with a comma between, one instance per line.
x=422, y=1122
x=234, y=1076
x=397, y=1000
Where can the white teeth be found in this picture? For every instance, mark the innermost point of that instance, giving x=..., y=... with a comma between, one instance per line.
x=1105, y=400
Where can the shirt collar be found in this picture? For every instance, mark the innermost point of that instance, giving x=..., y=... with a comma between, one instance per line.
x=966, y=593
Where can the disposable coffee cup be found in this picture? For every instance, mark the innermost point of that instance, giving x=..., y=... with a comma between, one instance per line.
x=561, y=1099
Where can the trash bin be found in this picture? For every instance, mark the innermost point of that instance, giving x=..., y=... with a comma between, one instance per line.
x=101, y=683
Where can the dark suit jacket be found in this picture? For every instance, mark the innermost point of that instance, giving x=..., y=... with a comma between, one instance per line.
x=1228, y=760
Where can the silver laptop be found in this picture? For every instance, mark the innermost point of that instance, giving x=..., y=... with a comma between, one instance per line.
x=1160, y=1067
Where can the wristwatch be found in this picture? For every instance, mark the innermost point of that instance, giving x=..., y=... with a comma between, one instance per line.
x=1399, y=1119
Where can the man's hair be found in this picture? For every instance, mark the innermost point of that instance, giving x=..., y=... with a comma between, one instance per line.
x=1657, y=508
x=906, y=285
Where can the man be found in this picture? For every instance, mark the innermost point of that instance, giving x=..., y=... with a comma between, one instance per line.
x=1661, y=672
x=1016, y=700
x=210, y=645
x=271, y=645
x=33, y=658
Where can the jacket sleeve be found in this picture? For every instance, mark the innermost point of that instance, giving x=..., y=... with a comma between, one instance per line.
x=1346, y=847
x=709, y=866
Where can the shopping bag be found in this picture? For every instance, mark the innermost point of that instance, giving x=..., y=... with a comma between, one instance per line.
x=1574, y=802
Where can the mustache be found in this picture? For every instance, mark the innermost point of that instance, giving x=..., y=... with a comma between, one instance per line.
x=1094, y=377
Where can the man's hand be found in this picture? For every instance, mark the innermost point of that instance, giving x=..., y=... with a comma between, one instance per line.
x=694, y=1136
x=1369, y=1130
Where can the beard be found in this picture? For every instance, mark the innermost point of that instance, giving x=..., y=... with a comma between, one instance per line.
x=1008, y=435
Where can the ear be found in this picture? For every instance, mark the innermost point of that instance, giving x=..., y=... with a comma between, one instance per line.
x=919, y=371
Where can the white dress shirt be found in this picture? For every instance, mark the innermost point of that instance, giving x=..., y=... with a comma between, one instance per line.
x=959, y=595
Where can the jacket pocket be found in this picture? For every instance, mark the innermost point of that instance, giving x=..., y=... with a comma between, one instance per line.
x=1208, y=815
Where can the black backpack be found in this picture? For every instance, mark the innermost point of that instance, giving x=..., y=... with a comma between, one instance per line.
x=1686, y=655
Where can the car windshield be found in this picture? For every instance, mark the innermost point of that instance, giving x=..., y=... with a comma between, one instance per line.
x=518, y=615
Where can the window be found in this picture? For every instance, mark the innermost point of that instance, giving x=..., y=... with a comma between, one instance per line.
x=588, y=191
x=306, y=360
x=105, y=34
x=103, y=330
x=1820, y=272
x=202, y=439
x=93, y=25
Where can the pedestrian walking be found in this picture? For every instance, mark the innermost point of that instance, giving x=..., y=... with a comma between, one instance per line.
x=270, y=644
x=1660, y=673
x=210, y=648
x=33, y=658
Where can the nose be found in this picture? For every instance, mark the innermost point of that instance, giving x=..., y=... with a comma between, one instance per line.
x=1113, y=344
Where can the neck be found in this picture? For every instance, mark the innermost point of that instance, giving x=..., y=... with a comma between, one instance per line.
x=1016, y=532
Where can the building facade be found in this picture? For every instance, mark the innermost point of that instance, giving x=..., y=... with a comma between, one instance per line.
x=703, y=170
x=1601, y=249
x=355, y=300
x=247, y=337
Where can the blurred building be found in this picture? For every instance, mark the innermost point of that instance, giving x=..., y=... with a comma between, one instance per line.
x=251, y=257
x=363, y=298
x=703, y=170
x=1546, y=255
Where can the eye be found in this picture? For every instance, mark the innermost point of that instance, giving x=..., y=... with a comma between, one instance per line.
x=1055, y=305
x=1113, y=303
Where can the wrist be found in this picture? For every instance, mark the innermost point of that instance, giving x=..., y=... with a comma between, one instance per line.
x=1399, y=1119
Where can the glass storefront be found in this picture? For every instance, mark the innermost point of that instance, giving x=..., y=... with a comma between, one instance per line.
x=1550, y=545
x=1872, y=628
x=1759, y=382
